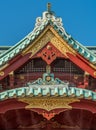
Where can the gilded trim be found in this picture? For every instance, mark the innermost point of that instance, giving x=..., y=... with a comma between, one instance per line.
x=94, y=73
x=49, y=35
x=39, y=42
x=2, y=73
x=93, y=66
x=11, y=73
x=48, y=103
x=3, y=67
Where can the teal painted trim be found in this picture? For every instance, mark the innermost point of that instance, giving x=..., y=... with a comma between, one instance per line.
x=71, y=41
x=5, y=47
x=86, y=53
x=60, y=33
x=43, y=81
x=76, y=47
x=55, y=27
x=47, y=91
x=14, y=50
x=41, y=23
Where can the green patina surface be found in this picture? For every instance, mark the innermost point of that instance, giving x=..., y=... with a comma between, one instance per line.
x=48, y=18
x=48, y=79
x=54, y=87
x=48, y=91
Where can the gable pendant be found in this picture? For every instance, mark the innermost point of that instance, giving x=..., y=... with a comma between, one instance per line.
x=49, y=53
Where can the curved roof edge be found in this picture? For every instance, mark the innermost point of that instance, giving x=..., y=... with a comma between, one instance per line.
x=47, y=18
x=55, y=91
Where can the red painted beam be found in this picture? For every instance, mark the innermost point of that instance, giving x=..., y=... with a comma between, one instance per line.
x=11, y=104
x=15, y=59
x=84, y=66
x=49, y=53
x=85, y=104
x=15, y=65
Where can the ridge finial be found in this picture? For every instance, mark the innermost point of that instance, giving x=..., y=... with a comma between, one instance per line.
x=48, y=7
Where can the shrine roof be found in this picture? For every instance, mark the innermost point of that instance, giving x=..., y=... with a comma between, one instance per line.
x=4, y=48
x=46, y=91
x=92, y=49
x=48, y=18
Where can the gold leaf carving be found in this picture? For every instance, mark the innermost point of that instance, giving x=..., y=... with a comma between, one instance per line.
x=39, y=42
x=48, y=103
x=59, y=43
x=3, y=67
x=93, y=66
x=1, y=73
x=11, y=73
x=49, y=35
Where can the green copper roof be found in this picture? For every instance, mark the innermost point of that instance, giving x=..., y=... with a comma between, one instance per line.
x=4, y=49
x=47, y=18
x=92, y=49
x=48, y=91
x=48, y=79
x=42, y=87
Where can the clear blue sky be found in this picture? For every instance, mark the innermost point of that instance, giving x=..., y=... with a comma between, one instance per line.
x=17, y=19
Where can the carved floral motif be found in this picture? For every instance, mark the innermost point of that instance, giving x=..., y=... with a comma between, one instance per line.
x=49, y=53
x=48, y=103
x=49, y=35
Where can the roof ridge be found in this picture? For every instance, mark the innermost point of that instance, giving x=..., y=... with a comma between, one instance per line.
x=85, y=47
x=48, y=17
x=56, y=91
x=41, y=23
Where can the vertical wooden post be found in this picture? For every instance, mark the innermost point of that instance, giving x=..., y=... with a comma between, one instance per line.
x=86, y=79
x=48, y=69
x=11, y=80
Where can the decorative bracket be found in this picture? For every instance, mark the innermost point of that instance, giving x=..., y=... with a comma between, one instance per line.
x=49, y=53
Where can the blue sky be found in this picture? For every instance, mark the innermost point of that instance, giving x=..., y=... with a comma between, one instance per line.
x=17, y=19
